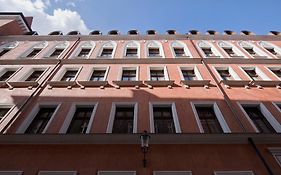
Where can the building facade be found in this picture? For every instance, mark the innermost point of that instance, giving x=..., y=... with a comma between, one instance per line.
x=77, y=104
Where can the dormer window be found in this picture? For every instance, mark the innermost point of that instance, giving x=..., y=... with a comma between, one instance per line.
x=74, y=33
x=229, y=32
x=113, y=32
x=171, y=32
x=56, y=33
x=246, y=32
x=211, y=32
x=151, y=32
x=194, y=32
x=95, y=32
x=275, y=32
x=133, y=32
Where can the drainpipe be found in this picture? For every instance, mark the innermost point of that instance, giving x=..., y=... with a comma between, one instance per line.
x=227, y=99
x=39, y=88
x=252, y=143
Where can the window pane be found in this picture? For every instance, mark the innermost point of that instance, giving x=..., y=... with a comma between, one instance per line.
x=163, y=120
x=98, y=75
x=277, y=72
x=189, y=75
x=153, y=52
x=230, y=52
x=157, y=75
x=179, y=52
x=3, y=112
x=34, y=52
x=225, y=75
x=4, y=51
x=84, y=53
x=132, y=52
x=80, y=120
x=107, y=52
x=253, y=74
x=56, y=53
x=40, y=121
x=69, y=75
x=129, y=75
x=124, y=120
x=208, y=52
x=35, y=75
x=7, y=75
x=251, y=51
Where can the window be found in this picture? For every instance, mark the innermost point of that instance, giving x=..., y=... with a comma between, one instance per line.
x=7, y=75
x=129, y=75
x=123, y=120
x=276, y=71
x=7, y=47
x=157, y=75
x=107, y=52
x=189, y=74
x=163, y=120
x=131, y=49
x=276, y=153
x=4, y=51
x=98, y=75
x=179, y=52
x=35, y=75
x=69, y=75
x=230, y=52
x=233, y=173
x=33, y=53
x=132, y=52
x=3, y=112
x=208, y=52
x=154, y=52
x=253, y=74
x=258, y=119
x=225, y=75
x=154, y=49
x=84, y=53
x=251, y=49
x=208, y=119
x=274, y=50
x=57, y=53
x=41, y=120
x=80, y=120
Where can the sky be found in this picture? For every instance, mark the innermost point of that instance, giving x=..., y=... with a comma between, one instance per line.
x=258, y=16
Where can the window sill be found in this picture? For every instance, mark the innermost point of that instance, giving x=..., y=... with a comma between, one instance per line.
x=237, y=57
x=128, y=83
x=3, y=84
x=195, y=82
x=236, y=83
x=261, y=57
x=186, y=56
x=159, y=83
x=131, y=57
x=92, y=83
x=23, y=84
x=212, y=56
x=61, y=83
x=155, y=57
x=266, y=83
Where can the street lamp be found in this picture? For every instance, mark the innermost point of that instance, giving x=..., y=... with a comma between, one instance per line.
x=144, y=146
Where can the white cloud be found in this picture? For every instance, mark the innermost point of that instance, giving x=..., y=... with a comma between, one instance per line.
x=64, y=20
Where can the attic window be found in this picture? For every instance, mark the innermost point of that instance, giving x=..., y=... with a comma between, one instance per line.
x=151, y=32
x=229, y=32
x=95, y=32
x=171, y=32
x=245, y=32
x=56, y=33
x=211, y=32
x=113, y=32
x=275, y=32
x=133, y=32
x=31, y=33
x=194, y=32
x=74, y=33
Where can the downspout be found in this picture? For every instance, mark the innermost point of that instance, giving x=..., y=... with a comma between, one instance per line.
x=227, y=99
x=39, y=88
x=252, y=143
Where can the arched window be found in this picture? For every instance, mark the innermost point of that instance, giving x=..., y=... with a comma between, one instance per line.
x=271, y=48
x=208, y=50
x=231, y=50
x=179, y=49
x=57, y=51
x=132, y=49
x=35, y=50
x=252, y=50
x=107, y=50
x=154, y=49
x=8, y=47
x=85, y=50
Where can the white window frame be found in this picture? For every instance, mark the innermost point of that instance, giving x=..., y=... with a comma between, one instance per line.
x=230, y=70
x=156, y=44
x=196, y=71
x=64, y=69
x=257, y=50
x=116, y=172
x=35, y=46
x=210, y=46
x=172, y=172
x=31, y=116
x=273, y=68
x=275, y=151
x=11, y=172
x=172, y=105
x=187, y=52
x=6, y=105
x=257, y=70
x=113, y=111
x=99, y=68
x=4, y=69
x=276, y=104
x=266, y=113
x=57, y=173
x=137, y=46
x=276, y=49
x=237, y=51
x=11, y=45
x=120, y=74
x=166, y=75
x=84, y=45
x=233, y=173
x=72, y=110
x=104, y=46
x=51, y=51
x=31, y=70
x=217, y=112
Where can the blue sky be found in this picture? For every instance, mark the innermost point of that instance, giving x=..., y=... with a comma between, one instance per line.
x=259, y=16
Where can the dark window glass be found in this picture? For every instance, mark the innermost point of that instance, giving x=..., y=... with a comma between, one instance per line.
x=33, y=53
x=188, y=75
x=35, y=75
x=157, y=75
x=40, y=121
x=80, y=120
x=208, y=52
x=4, y=51
x=98, y=75
x=163, y=120
x=272, y=51
x=84, y=53
x=154, y=52
x=69, y=75
x=129, y=75
x=209, y=120
x=123, y=120
x=107, y=52
x=7, y=75
x=132, y=52
x=251, y=51
x=259, y=119
x=253, y=74
x=179, y=52
x=56, y=53
x=3, y=112
x=230, y=52
x=225, y=75
x=277, y=72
